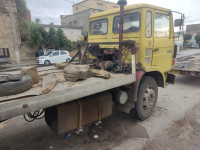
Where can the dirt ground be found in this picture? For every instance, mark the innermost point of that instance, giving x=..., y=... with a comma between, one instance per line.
x=120, y=131
x=184, y=134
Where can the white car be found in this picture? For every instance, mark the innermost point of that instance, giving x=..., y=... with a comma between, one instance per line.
x=54, y=57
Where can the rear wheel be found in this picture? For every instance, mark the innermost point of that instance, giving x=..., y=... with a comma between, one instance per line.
x=147, y=98
x=47, y=62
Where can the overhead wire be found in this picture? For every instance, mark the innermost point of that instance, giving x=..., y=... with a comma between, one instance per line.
x=39, y=12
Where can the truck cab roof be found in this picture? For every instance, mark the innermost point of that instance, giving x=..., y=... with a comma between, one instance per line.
x=129, y=7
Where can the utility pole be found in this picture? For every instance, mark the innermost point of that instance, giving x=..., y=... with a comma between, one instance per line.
x=14, y=32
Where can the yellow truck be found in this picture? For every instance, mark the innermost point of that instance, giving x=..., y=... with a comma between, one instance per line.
x=135, y=44
x=152, y=30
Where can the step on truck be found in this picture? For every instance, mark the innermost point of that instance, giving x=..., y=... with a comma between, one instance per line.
x=135, y=44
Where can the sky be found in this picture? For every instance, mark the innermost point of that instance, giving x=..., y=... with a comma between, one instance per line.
x=50, y=10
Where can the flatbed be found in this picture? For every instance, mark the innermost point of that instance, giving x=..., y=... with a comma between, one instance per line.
x=187, y=65
x=33, y=99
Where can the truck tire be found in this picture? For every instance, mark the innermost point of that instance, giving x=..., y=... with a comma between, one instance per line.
x=147, y=98
x=15, y=87
x=47, y=62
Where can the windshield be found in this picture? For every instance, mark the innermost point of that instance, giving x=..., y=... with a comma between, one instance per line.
x=131, y=23
x=99, y=27
x=48, y=54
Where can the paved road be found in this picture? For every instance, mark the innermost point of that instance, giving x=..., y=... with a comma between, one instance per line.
x=117, y=132
x=184, y=134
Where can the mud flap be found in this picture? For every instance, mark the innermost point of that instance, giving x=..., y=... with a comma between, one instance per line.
x=170, y=78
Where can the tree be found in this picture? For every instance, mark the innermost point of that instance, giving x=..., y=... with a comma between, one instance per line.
x=24, y=22
x=61, y=38
x=197, y=38
x=37, y=35
x=37, y=21
x=52, y=40
x=63, y=42
x=187, y=37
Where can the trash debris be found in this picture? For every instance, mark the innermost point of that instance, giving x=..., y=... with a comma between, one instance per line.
x=50, y=147
x=96, y=136
x=67, y=136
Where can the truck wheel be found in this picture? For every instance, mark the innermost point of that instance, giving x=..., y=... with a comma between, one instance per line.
x=47, y=62
x=147, y=98
x=12, y=87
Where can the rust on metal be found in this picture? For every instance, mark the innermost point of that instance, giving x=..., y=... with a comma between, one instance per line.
x=25, y=106
x=122, y=3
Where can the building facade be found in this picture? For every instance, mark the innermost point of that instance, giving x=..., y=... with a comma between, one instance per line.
x=6, y=35
x=192, y=29
x=83, y=10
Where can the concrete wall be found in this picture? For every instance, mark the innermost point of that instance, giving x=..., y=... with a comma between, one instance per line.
x=93, y=4
x=77, y=20
x=6, y=38
x=27, y=53
x=81, y=14
x=71, y=34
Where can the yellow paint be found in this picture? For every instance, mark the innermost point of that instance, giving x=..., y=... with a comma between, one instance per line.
x=155, y=53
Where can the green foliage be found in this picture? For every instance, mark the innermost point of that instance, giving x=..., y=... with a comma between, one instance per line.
x=187, y=37
x=37, y=35
x=22, y=15
x=197, y=38
x=52, y=39
x=61, y=38
x=37, y=21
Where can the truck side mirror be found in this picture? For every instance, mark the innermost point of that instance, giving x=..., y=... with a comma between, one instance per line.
x=178, y=22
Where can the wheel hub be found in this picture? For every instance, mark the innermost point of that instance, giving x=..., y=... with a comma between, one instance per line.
x=148, y=99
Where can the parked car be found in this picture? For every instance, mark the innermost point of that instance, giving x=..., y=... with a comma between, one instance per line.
x=56, y=56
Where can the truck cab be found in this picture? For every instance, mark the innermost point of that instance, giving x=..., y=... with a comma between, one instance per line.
x=152, y=29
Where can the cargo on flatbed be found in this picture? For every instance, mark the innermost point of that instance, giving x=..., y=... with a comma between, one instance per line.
x=33, y=99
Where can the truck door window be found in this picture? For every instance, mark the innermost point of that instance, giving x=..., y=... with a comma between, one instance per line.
x=99, y=27
x=148, y=24
x=131, y=23
x=162, y=26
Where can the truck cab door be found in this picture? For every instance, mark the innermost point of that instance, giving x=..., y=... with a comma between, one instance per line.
x=163, y=42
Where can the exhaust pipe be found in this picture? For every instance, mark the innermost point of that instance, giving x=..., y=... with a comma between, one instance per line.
x=122, y=3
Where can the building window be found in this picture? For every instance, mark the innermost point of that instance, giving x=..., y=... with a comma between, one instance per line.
x=100, y=6
x=74, y=22
x=162, y=26
x=76, y=8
